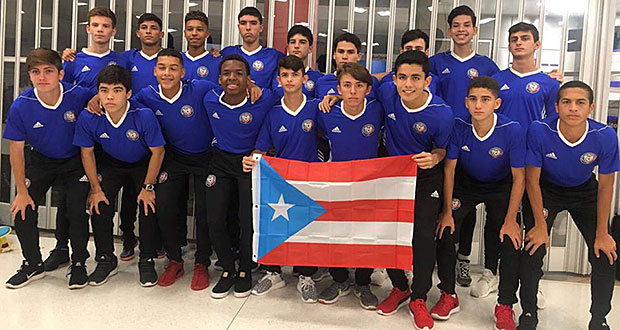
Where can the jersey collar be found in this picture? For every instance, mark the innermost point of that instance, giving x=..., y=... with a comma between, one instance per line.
x=298, y=110
x=568, y=143
x=523, y=75
x=356, y=116
x=428, y=101
x=250, y=53
x=95, y=54
x=149, y=58
x=488, y=135
x=120, y=122
x=174, y=98
x=463, y=59
x=232, y=106
x=55, y=106
x=194, y=59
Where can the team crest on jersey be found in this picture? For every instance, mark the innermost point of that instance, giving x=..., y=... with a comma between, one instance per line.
x=69, y=116
x=210, y=180
x=456, y=204
x=245, y=118
x=27, y=183
x=132, y=135
x=496, y=152
x=419, y=127
x=163, y=177
x=187, y=111
x=258, y=65
x=112, y=63
x=472, y=73
x=532, y=87
x=202, y=71
x=307, y=125
x=368, y=129
x=587, y=158
x=309, y=85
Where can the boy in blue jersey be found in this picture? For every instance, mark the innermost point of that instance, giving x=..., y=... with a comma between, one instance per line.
x=485, y=163
x=263, y=61
x=236, y=123
x=561, y=155
x=131, y=148
x=416, y=123
x=44, y=116
x=198, y=62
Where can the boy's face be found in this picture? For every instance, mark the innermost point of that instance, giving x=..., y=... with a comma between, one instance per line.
x=169, y=71
x=410, y=82
x=100, y=29
x=149, y=33
x=45, y=77
x=462, y=30
x=233, y=78
x=522, y=44
x=114, y=97
x=299, y=46
x=346, y=52
x=416, y=44
x=574, y=107
x=291, y=81
x=353, y=91
x=249, y=28
x=196, y=32
x=481, y=103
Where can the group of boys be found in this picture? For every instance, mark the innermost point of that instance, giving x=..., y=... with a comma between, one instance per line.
x=147, y=120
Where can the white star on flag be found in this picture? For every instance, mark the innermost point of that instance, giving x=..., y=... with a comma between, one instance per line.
x=280, y=208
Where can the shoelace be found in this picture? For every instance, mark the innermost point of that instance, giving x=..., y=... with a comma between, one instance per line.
x=70, y=268
x=443, y=302
x=463, y=270
x=504, y=311
x=306, y=283
x=420, y=304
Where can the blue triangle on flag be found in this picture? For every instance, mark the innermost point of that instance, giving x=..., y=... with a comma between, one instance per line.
x=300, y=209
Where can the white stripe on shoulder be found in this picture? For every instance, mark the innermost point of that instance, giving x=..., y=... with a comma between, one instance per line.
x=27, y=98
x=545, y=124
x=70, y=89
x=154, y=89
x=462, y=121
x=506, y=124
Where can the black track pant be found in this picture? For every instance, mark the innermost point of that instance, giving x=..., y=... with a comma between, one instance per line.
x=302, y=270
x=341, y=275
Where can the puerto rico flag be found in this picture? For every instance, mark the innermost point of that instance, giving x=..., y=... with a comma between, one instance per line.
x=337, y=214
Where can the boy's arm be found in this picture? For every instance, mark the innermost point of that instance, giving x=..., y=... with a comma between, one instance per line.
x=148, y=197
x=537, y=236
x=603, y=241
x=90, y=167
x=511, y=227
x=18, y=165
x=445, y=217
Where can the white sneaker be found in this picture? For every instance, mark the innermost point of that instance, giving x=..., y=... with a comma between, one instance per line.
x=271, y=280
x=541, y=301
x=486, y=284
x=378, y=277
x=307, y=289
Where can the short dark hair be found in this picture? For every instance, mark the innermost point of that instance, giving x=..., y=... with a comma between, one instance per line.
x=39, y=56
x=236, y=57
x=147, y=17
x=114, y=74
x=461, y=10
x=414, y=35
x=348, y=37
x=300, y=29
x=172, y=53
x=413, y=57
x=356, y=71
x=524, y=27
x=291, y=62
x=104, y=12
x=197, y=15
x=252, y=11
x=485, y=82
x=576, y=84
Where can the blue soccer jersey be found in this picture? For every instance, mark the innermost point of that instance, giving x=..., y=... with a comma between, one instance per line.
x=455, y=73
x=353, y=137
x=569, y=164
x=328, y=85
x=308, y=88
x=84, y=69
x=527, y=97
x=488, y=158
x=203, y=66
x=263, y=63
x=128, y=140
x=48, y=129
x=236, y=127
x=411, y=131
x=291, y=132
x=388, y=78
x=142, y=69
x=183, y=118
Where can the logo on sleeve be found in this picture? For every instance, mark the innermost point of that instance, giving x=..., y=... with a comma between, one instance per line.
x=163, y=177
x=496, y=152
x=258, y=65
x=336, y=130
x=37, y=125
x=245, y=118
x=532, y=87
x=187, y=111
x=368, y=129
x=307, y=125
x=282, y=129
x=202, y=71
x=456, y=204
x=587, y=158
x=419, y=127
x=472, y=73
x=210, y=180
x=132, y=135
x=69, y=116
x=309, y=85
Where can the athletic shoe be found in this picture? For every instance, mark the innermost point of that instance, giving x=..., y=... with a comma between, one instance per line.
x=447, y=305
x=600, y=324
x=504, y=318
x=106, y=268
x=320, y=274
x=528, y=321
x=368, y=300
x=332, y=293
x=307, y=288
x=200, y=280
x=223, y=286
x=462, y=273
x=161, y=253
x=128, y=252
x=77, y=275
x=25, y=274
x=541, y=302
x=421, y=319
x=394, y=302
x=148, y=275
x=243, y=285
x=271, y=280
x=379, y=277
x=57, y=258
x=173, y=270
x=486, y=284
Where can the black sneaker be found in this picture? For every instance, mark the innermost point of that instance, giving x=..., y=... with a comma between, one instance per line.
x=243, y=286
x=77, y=275
x=528, y=321
x=128, y=252
x=57, y=258
x=106, y=267
x=223, y=286
x=25, y=274
x=148, y=275
x=598, y=324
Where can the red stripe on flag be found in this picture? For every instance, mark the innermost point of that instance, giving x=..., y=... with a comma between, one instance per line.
x=382, y=210
x=340, y=255
x=356, y=170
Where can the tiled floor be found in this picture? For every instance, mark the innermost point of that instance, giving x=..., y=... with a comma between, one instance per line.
x=123, y=304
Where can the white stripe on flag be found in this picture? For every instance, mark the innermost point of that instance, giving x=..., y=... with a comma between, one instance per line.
x=384, y=188
x=368, y=233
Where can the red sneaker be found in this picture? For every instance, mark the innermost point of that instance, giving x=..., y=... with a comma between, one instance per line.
x=200, y=280
x=504, y=318
x=447, y=305
x=393, y=302
x=173, y=270
x=421, y=319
